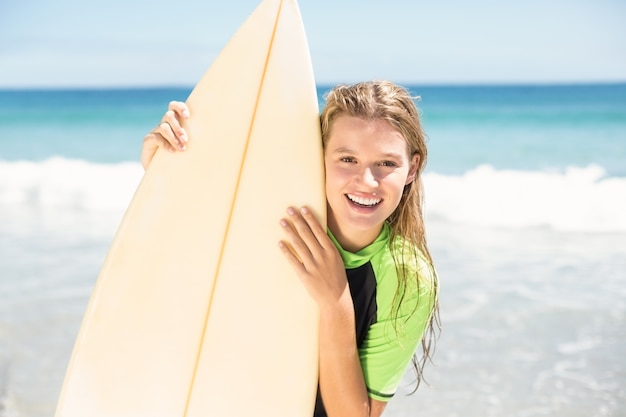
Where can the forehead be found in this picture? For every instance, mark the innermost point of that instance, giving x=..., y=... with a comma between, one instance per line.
x=358, y=134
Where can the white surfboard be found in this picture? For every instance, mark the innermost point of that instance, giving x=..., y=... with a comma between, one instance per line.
x=195, y=311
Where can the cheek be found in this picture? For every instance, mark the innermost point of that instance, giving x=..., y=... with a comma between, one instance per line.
x=397, y=183
x=334, y=175
x=332, y=181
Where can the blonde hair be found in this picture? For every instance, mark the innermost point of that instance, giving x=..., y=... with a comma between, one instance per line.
x=389, y=102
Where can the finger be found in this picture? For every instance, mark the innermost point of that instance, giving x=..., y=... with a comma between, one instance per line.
x=179, y=108
x=164, y=136
x=151, y=142
x=315, y=226
x=304, y=230
x=293, y=259
x=313, y=232
x=298, y=246
x=177, y=111
x=172, y=129
x=154, y=140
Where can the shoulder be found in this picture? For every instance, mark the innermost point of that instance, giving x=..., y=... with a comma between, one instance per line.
x=411, y=262
x=406, y=282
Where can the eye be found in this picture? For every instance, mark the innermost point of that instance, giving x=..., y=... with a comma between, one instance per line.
x=388, y=164
x=347, y=159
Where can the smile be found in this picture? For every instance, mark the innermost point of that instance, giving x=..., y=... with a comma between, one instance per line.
x=362, y=201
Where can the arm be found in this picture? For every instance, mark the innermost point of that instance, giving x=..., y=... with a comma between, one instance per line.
x=341, y=377
x=169, y=134
x=319, y=266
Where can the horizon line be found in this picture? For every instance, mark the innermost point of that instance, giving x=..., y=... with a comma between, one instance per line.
x=451, y=84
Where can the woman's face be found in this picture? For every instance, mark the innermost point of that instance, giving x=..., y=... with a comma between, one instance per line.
x=367, y=166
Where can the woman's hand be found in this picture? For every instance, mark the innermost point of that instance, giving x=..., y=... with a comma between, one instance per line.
x=169, y=134
x=314, y=257
x=319, y=265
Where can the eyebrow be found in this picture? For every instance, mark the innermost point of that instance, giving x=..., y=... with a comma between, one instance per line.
x=343, y=150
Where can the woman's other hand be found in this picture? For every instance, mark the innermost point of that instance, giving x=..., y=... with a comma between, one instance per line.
x=169, y=134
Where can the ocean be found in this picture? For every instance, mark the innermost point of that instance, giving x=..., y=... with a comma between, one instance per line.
x=526, y=220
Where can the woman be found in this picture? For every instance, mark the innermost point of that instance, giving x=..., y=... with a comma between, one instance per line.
x=370, y=273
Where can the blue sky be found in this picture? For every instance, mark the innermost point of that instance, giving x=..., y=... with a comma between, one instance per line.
x=66, y=43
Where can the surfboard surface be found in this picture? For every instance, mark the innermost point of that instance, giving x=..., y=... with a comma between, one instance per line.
x=195, y=311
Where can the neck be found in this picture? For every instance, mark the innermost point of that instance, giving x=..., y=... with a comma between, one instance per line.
x=351, y=240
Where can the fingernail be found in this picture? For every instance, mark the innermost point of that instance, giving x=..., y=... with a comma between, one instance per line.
x=304, y=210
x=182, y=147
x=186, y=113
x=283, y=222
x=184, y=138
x=291, y=211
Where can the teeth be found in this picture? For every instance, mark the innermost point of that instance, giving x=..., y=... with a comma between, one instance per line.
x=364, y=201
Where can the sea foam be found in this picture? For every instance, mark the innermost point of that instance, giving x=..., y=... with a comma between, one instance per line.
x=576, y=199
x=580, y=199
x=69, y=184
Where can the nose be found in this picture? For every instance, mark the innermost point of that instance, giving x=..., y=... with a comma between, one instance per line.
x=368, y=177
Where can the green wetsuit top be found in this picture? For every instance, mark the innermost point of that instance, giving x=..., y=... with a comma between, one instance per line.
x=389, y=327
